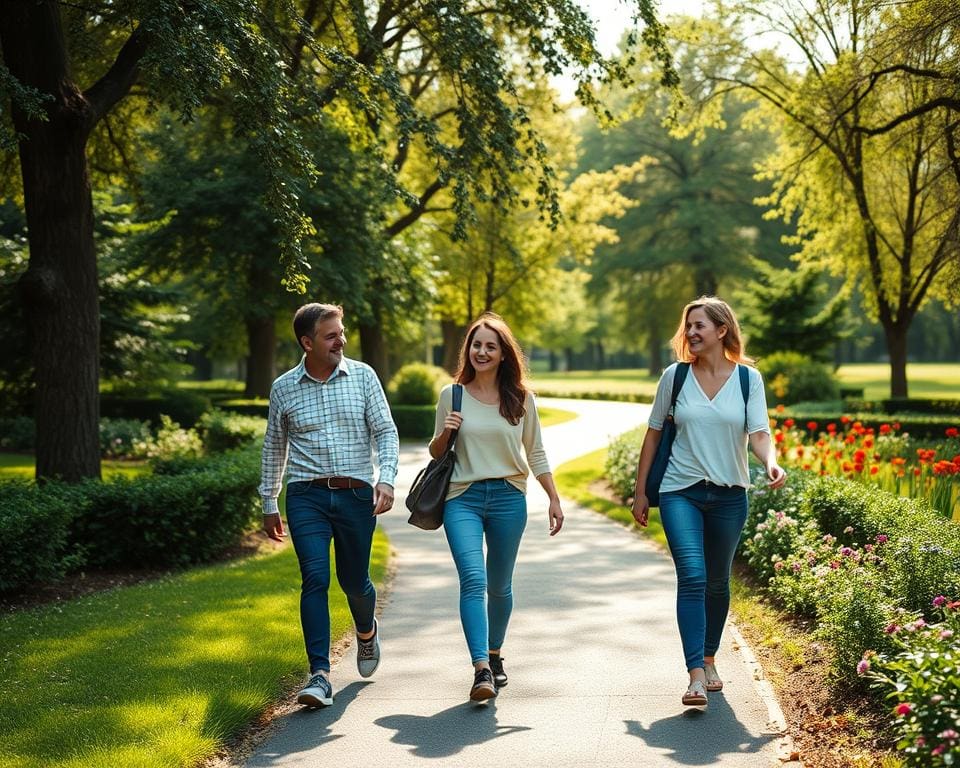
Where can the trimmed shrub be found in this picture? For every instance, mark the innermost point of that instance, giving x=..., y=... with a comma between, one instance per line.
x=414, y=421
x=221, y=431
x=246, y=407
x=620, y=467
x=170, y=519
x=790, y=377
x=929, y=406
x=34, y=524
x=181, y=405
x=417, y=384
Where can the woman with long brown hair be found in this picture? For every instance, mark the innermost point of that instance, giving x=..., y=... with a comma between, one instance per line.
x=720, y=408
x=498, y=445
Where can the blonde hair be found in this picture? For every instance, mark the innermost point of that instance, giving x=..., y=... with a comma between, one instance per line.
x=719, y=313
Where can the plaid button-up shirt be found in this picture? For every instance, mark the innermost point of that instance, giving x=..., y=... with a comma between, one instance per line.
x=327, y=429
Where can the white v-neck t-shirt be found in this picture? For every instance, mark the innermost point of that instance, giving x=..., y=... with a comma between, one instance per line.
x=711, y=442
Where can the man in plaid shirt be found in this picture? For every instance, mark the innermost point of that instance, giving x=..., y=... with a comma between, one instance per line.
x=325, y=414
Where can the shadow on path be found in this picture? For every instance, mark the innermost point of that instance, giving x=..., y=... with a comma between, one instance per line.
x=319, y=731
x=699, y=736
x=448, y=732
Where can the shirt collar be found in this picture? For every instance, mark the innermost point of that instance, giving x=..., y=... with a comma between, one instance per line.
x=343, y=367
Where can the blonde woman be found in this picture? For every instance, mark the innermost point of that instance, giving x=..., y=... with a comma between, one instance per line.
x=703, y=500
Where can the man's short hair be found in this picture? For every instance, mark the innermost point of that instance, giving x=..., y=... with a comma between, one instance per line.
x=307, y=317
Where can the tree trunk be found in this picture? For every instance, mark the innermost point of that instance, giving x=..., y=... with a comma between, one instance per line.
x=59, y=287
x=896, y=338
x=568, y=354
x=554, y=361
x=261, y=360
x=374, y=349
x=452, y=333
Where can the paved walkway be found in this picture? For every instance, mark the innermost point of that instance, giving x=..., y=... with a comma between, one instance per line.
x=593, y=655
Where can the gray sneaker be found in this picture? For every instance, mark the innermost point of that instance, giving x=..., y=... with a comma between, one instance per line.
x=317, y=693
x=368, y=652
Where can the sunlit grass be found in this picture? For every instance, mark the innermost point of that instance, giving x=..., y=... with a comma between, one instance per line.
x=21, y=465
x=626, y=381
x=159, y=674
x=551, y=416
x=932, y=380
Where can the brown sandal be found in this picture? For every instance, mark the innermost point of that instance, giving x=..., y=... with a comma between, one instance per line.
x=696, y=695
x=714, y=683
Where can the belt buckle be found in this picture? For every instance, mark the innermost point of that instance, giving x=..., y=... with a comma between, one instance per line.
x=329, y=487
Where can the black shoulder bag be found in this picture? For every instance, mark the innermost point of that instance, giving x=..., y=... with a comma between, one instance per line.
x=429, y=491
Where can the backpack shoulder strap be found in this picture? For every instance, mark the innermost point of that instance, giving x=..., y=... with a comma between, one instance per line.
x=679, y=376
x=457, y=397
x=744, y=389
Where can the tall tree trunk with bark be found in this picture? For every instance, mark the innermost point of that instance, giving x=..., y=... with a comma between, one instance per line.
x=895, y=335
x=374, y=349
x=261, y=359
x=59, y=288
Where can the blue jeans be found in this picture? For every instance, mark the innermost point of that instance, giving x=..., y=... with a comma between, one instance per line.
x=316, y=515
x=498, y=510
x=703, y=525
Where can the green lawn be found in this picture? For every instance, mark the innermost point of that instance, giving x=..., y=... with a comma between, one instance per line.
x=923, y=379
x=625, y=381
x=159, y=674
x=13, y=465
x=551, y=416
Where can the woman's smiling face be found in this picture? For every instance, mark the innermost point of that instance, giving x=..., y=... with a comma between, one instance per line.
x=485, y=351
x=702, y=334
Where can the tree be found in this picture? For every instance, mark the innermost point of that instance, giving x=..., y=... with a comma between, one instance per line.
x=66, y=67
x=178, y=53
x=784, y=310
x=866, y=162
x=694, y=225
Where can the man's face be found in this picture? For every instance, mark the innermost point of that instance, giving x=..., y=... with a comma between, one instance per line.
x=325, y=347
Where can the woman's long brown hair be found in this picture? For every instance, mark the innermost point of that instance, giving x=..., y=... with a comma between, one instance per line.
x=511, y=376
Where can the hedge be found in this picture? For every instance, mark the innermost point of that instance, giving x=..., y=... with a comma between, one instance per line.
x=183, y=406
x=905, y=405
x=170, y=519
x=246, y=407
x=619, y=397
x=189, y=511
x=414, y=421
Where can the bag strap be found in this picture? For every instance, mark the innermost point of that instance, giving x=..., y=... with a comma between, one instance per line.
x=457, y=405
x=745, y=390
x=679, y=376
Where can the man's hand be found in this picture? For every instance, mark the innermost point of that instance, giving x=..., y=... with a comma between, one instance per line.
x=273, y=526
x=382, y=498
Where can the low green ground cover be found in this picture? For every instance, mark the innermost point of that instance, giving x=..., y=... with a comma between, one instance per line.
x=159, y=674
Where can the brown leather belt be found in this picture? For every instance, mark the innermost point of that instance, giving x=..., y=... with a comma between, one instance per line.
x=338, y=483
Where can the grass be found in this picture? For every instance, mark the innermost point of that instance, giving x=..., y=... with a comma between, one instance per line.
x=933, y=380
x=626, y=381
x=158, y=674
x=21, y=465
x=551, y=416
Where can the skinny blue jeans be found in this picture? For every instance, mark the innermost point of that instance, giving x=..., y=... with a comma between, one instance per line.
x=316, y=516
x=703, y=524
x=496, y=510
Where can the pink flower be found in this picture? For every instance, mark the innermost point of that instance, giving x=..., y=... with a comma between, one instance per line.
x=946, y=634
x=863, y=667
x=891, y=629
x=846, y=551
x=948, y=734
x=903, y=709
x=936, y=698
x=939, y=600
x=882, y=538
x=938, y=750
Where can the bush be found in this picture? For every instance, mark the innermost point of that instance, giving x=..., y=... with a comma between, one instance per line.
x=170, y=519
x=221, y=431
x=34, y=524
x=790, y=377
x=417, y=384
x=919, y=675
x=171, y=442
x=246, y=407
x=414, y=421
x=923, y=405
x=18, y=433
x=181, y=405
x=620, y=467
x=119, y=438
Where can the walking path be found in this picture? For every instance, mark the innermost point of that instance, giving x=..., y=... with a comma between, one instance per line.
x=593, y=654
